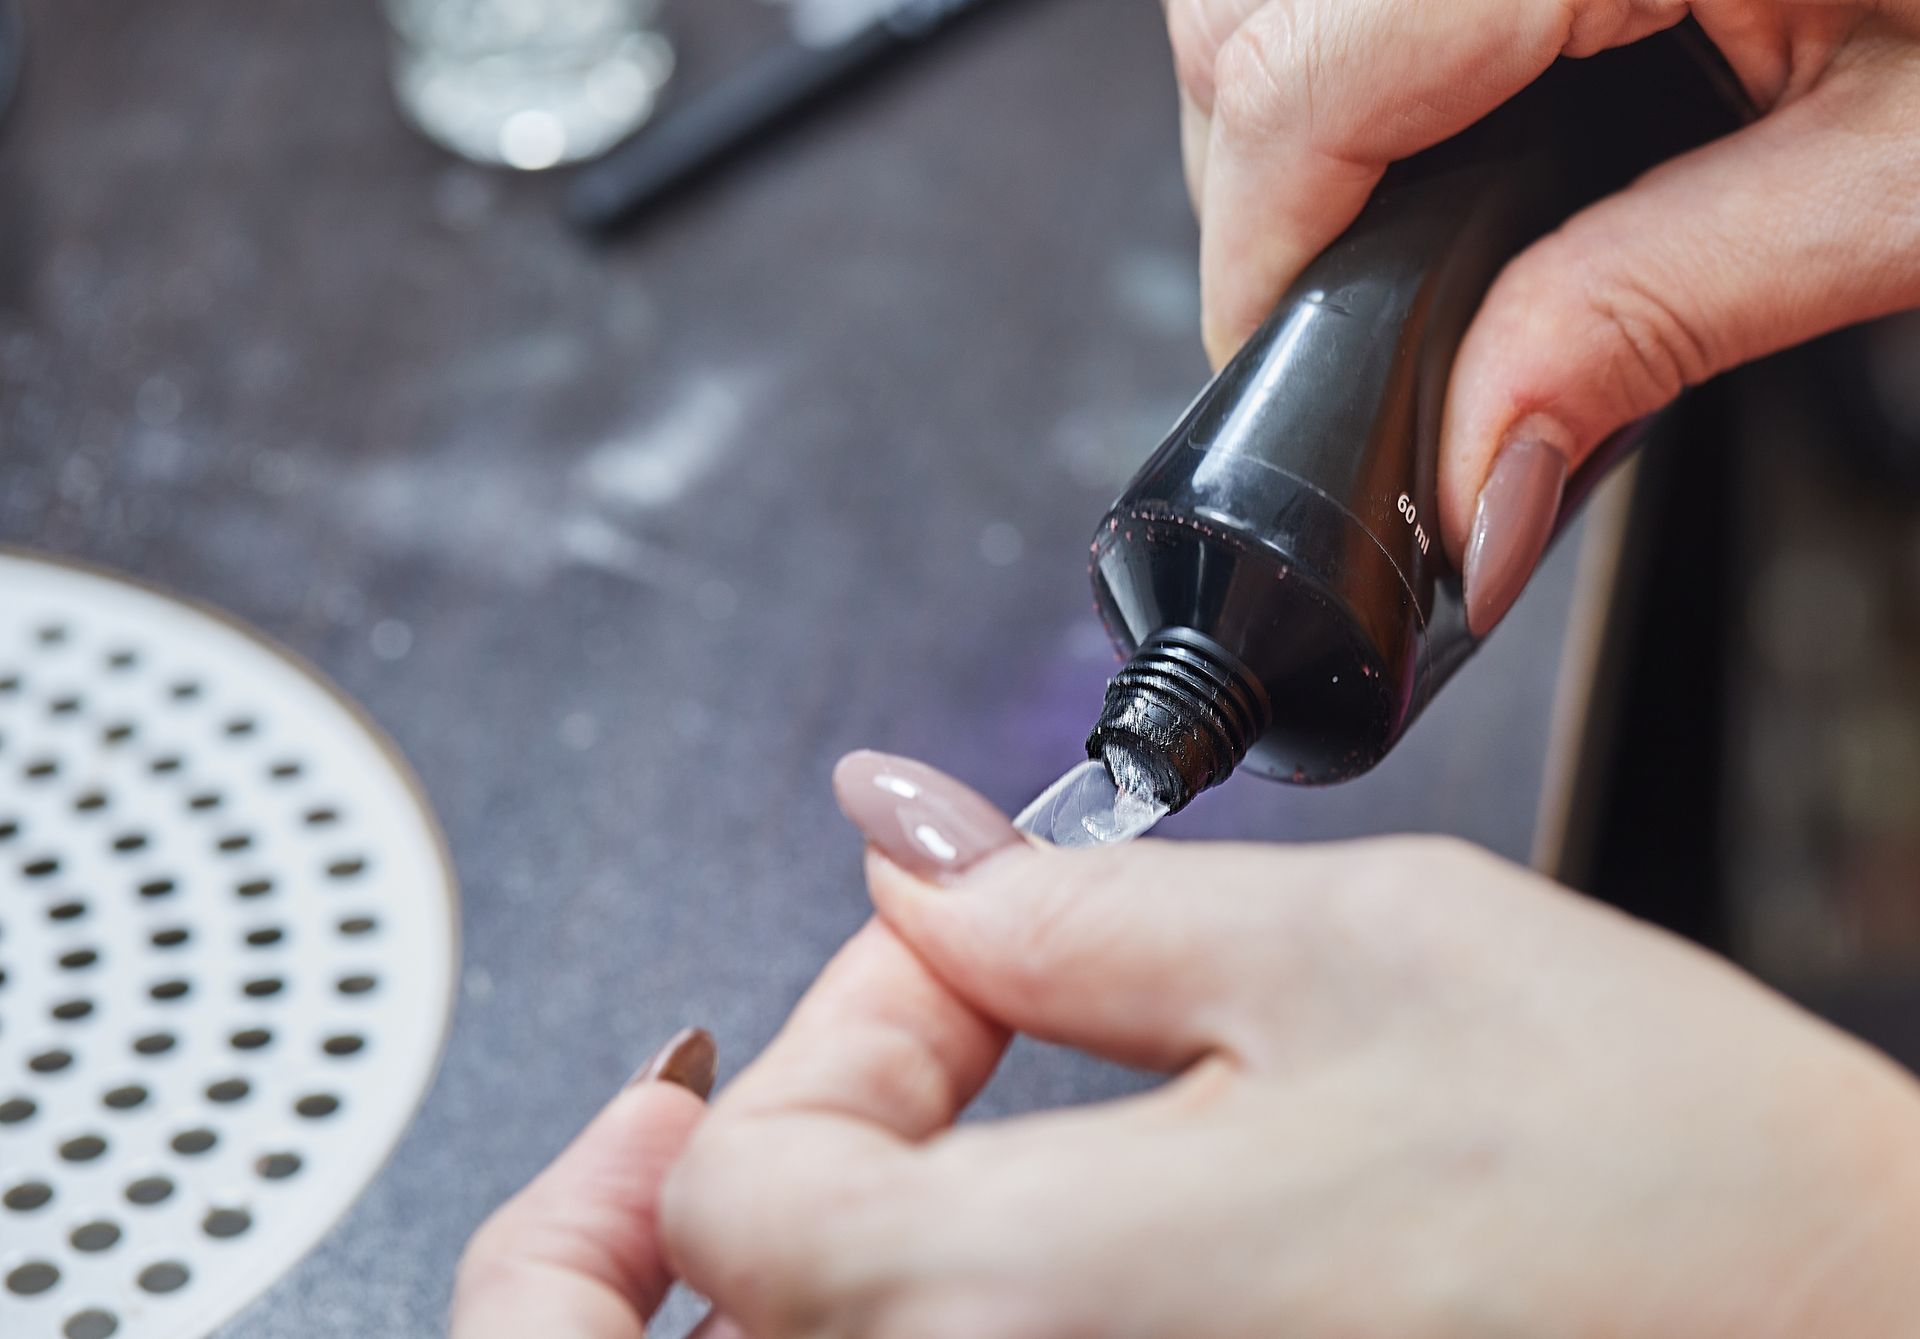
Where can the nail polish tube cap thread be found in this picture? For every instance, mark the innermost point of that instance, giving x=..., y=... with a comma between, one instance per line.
x=1179, y=718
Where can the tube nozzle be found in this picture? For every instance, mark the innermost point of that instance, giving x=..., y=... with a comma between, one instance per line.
x=1178, y=718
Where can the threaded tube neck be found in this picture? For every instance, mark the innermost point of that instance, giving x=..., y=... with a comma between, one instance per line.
x=1179, y=717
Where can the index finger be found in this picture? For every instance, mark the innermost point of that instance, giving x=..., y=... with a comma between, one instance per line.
x=801, y=1172
x=878, y=1041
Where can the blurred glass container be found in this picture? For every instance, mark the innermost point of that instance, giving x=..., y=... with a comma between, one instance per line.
x=528, y=84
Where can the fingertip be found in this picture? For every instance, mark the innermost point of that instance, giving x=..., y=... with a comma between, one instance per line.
x=927, y=822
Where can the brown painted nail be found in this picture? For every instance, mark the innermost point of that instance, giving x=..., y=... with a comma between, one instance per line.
x=923, y=820
x=1513, y=522
x=689, y=1060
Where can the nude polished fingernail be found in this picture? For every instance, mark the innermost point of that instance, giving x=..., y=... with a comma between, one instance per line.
x=1513, y=521
x=924, y=821
x=689, y=1060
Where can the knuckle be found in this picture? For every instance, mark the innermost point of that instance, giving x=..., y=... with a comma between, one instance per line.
x=1263, y=73
x=901, y=1075
x=1657, y=351
x=490, y=1245
x=1439, y=852
x=1390, y=903
x=1193, y=32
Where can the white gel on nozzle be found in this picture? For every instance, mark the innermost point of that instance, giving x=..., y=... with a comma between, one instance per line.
x=1086, y=808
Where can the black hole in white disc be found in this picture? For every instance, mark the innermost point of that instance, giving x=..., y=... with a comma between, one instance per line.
x=63, y=706
x=149, y=1190
x=36, y=1276
x=347, y=1043
x=235, y=842
x=206, y=799
x=156, y=887
x=125, y=1097
x=222, y=1224
x=10, y=683
x=129, y=842
x=250, y=1039
x=123, y=659
x=9, y=829
x=241, y=726
x=261, y=987
x=356, y=985
x=315, y=1106
x=166, y=762
x=52, y=634
x=254, y=888
x=154, y=1043
x=320, y=818
x=191, y=1142
x=92, y=1323
x=165, y=1277
x=357, y=925
x=228, y=1090
x=277, y=1166
x=50, y=1062
x=66, y=911
x=83, y=1148
x=168, y=990
x=347, y=868
x=89, y=800
x=265, y=937
x=117, y=733
x=95, y=1236
x=27, y=1196
x=40, y=769
x=41, y=868
x=16, y=1109
x=171, y=937
x=72, y=1011
x=285, y=771
x=185, y=691
x=78, y=959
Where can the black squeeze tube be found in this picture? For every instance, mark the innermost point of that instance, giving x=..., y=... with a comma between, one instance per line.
x=745, y=110
x=1274, y=573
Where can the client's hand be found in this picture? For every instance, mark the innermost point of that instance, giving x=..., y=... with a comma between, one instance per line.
x=1417, y=1092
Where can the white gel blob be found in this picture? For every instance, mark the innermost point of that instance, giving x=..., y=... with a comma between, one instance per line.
x=1086, y=808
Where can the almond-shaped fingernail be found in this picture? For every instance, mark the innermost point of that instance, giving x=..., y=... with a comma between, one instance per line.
x=924, y=821
x=1513, y=522
x=690, y=1060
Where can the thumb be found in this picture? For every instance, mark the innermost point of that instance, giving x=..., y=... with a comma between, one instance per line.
x=1803, y=222
x=578, y=1251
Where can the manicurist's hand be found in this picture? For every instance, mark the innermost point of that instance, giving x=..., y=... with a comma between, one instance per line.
x=1805, y=221
x=1415, y=1091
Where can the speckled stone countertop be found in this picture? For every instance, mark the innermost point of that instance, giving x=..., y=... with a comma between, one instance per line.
x=625, y=545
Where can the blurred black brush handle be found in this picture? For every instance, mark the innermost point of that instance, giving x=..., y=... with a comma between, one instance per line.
x=10, y=56
x=748, y=108
x=919, y=18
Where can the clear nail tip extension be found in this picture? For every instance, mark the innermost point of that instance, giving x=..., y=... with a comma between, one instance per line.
x=1087, y=808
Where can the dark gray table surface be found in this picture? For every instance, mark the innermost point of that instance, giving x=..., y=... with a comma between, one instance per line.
x=625, y=545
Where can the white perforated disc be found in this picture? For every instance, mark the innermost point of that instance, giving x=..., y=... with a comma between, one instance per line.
x=227, y=939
